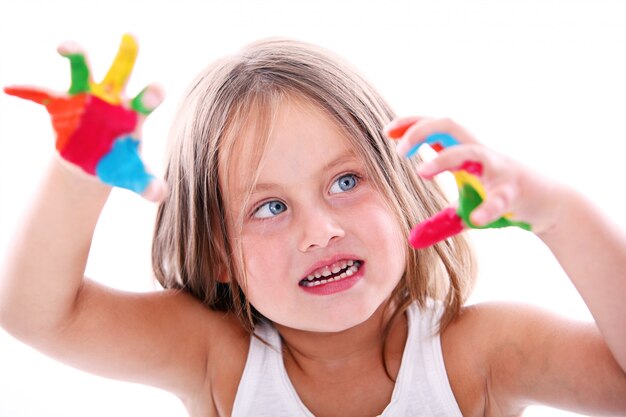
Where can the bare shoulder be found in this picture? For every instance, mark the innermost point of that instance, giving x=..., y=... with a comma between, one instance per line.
x=166, y=339
x=522, y=354
x=226, y=362
x=223, y=345
x=465, y=355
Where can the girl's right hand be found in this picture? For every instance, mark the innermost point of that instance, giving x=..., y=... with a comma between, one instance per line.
x=97, y=129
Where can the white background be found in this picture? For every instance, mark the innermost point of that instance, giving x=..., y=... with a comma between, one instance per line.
x=542, y=80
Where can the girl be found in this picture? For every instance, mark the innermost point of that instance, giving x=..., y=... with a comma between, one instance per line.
x=282, y=244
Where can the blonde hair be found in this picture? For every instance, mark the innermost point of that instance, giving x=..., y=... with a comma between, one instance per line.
x=193, y=250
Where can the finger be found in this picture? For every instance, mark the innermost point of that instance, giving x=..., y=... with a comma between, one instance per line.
x=156, y=190
x=397, y=127
x=34, y=94
x=123, y=167
x=442, y=225
x=81, y=78
x=148, y=99
x=111, y=87
x=420, y=131
x=470, y=158
x=492, y=208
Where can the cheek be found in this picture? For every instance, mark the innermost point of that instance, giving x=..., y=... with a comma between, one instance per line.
x=261, y=254
x=380, y=222
x=396, y=242
x=383, y=231
x=264, y=263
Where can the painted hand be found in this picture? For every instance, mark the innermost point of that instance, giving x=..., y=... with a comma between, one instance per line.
x=97, y=129
x=479, y=207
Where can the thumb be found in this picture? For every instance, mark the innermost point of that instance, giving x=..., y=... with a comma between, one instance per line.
x=37, y=95
x=155, y=191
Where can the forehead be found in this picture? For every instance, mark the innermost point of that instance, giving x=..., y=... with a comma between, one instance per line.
x=292, y=138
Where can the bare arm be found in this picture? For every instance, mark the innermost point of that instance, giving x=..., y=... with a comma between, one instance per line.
x=536, y=357
x=504, y=357
x=44, y=299
x=592, y=251
x=43, y=270
x=533, y=357
x=45, y=302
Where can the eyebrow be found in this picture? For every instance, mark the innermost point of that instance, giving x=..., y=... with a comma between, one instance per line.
x=345, y=157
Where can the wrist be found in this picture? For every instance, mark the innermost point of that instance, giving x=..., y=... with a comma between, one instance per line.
x=565, y=209
x=76, y=178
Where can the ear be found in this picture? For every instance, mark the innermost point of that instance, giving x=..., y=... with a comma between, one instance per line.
x=223, y=276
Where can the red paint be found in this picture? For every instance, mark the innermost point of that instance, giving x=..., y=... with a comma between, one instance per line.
x=336, y=286
x=472, y=167
x=441, y=226
x=66, y=114
x=437, y=147
x=86, y=126
x=100, y=125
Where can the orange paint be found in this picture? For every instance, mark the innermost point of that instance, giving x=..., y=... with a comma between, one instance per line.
x=66, y=114
x=398, y=131
x=29, y=93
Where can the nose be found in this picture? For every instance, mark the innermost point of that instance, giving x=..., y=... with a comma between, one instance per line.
x=319, y=228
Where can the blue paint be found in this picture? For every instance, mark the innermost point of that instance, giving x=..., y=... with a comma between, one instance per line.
x=122, y=166
x=444, y=139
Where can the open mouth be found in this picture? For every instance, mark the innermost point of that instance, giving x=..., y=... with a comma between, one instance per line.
x=332, y=273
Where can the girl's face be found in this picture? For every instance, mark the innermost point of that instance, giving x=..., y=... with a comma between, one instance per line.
x=322, y=250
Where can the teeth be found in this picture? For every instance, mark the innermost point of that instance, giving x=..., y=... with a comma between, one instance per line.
x=352, y=268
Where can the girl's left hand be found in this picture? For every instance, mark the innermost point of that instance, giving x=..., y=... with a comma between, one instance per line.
x=511, y=190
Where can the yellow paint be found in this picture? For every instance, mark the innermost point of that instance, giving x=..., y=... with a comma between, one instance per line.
x=463, y=177
x=111, y=87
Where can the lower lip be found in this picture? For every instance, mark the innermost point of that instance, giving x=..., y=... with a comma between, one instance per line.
x=336, y=286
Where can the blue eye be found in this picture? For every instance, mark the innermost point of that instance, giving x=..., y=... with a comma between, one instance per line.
x=270, y=209
x=344, y=183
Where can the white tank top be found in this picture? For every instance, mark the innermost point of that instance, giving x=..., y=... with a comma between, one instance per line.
x=422, y=387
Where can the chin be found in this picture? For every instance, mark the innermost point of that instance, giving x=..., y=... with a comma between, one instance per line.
x=338, y=321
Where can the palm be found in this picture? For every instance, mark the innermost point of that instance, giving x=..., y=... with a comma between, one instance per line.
x=96, y=128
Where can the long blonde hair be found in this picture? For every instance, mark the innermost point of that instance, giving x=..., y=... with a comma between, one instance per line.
x=192, y=248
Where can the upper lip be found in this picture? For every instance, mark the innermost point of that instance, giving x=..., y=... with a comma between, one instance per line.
x=328, y=262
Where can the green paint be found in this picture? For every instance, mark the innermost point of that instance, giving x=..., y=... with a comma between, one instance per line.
x=137, y=104
x=469, y=199
x=80, y=74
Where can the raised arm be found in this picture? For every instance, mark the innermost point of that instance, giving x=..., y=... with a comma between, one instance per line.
x=533, y=356
x=591, y=248
x=44, y=299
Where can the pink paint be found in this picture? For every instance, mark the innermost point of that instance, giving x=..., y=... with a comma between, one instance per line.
x=441, y=226
x=101, y=124
x=472, y=167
